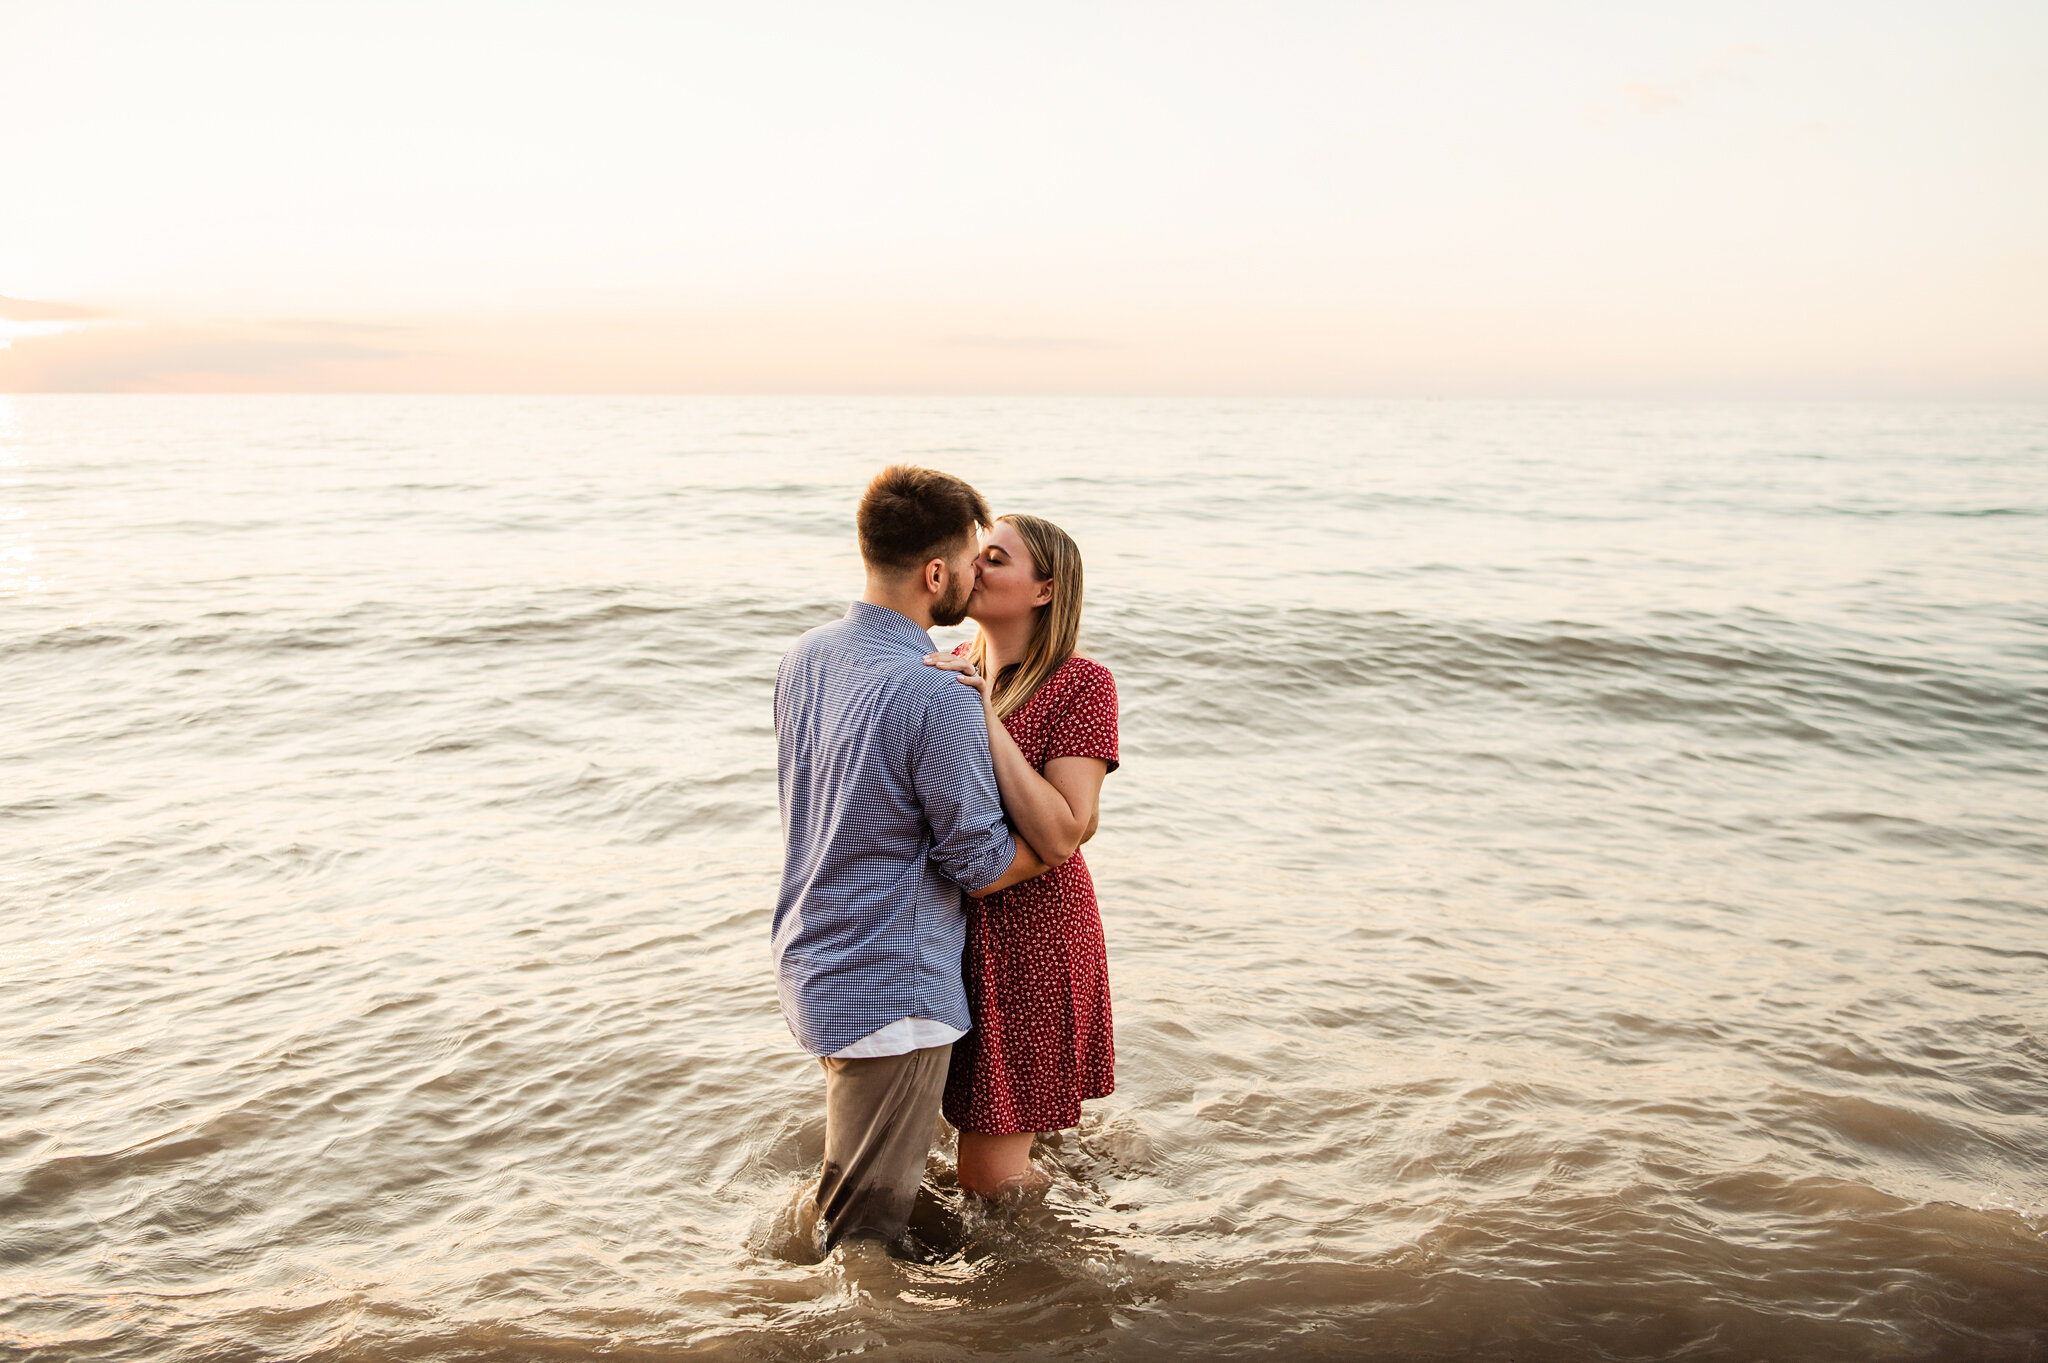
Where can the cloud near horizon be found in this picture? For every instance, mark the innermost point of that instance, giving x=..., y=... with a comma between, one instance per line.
x=29, y=310
x=129, y=356
x=1525, y=351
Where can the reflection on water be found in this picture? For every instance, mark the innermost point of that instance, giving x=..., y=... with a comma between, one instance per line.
x=1574, y=890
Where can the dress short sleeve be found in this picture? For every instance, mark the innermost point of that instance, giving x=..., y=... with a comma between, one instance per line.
x=1085, y=725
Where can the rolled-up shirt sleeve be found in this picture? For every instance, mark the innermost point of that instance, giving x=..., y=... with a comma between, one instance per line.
x=955, y=782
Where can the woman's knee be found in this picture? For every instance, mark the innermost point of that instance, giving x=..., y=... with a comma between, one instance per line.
x=992, y=1166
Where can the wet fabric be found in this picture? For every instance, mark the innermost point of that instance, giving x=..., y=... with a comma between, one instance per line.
x=880, y=1115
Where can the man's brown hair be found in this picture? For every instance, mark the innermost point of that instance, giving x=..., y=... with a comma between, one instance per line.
x=910, y=516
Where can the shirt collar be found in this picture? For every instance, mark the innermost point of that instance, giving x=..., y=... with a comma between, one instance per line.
x=871, y=618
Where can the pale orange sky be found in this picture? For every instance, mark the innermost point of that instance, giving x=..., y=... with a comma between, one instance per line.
x=1576, y=199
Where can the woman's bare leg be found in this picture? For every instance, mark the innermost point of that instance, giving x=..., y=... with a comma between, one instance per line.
x=994, y=1165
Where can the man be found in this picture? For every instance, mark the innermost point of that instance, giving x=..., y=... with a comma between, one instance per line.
x=889, y=812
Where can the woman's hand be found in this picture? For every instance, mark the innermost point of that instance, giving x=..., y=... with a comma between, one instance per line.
x=956, y=662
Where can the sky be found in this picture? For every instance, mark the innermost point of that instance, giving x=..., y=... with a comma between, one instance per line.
x=1284, y=197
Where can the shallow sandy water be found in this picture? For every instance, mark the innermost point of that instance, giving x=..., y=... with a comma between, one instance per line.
x=1575, y=889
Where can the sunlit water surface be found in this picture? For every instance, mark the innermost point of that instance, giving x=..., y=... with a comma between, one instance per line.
x=1575, y=889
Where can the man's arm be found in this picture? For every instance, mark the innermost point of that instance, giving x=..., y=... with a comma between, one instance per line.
x=955, y=782
x=1024, y=865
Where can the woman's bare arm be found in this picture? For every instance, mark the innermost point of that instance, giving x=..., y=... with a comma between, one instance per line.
x=1054, y=813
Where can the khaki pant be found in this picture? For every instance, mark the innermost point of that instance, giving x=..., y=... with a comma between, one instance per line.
x=879, y=1119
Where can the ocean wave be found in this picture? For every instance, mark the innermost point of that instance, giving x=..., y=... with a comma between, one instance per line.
x=1265, y=666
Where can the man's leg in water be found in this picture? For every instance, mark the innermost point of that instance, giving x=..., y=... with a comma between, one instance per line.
x=879, y=1118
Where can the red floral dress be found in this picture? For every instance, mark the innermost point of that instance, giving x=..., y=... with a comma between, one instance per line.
x=1036, y=972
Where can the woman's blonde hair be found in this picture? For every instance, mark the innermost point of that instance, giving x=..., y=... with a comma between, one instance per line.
x=1056, y=630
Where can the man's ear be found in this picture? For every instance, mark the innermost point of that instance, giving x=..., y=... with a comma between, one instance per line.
x=934, y=575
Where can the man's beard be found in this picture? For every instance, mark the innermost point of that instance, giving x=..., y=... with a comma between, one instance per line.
x=953, y=609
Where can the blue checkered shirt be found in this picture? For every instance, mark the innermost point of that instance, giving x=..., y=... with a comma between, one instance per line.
x=889, y=811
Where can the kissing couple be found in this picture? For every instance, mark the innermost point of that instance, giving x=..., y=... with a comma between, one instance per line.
x=936, y=937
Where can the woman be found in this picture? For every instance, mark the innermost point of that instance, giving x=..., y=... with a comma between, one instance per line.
x=1036, y=972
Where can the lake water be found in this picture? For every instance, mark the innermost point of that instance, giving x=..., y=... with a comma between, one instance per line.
x=1577, y=887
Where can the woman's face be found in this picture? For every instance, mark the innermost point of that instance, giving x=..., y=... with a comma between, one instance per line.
x=1008, y=585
